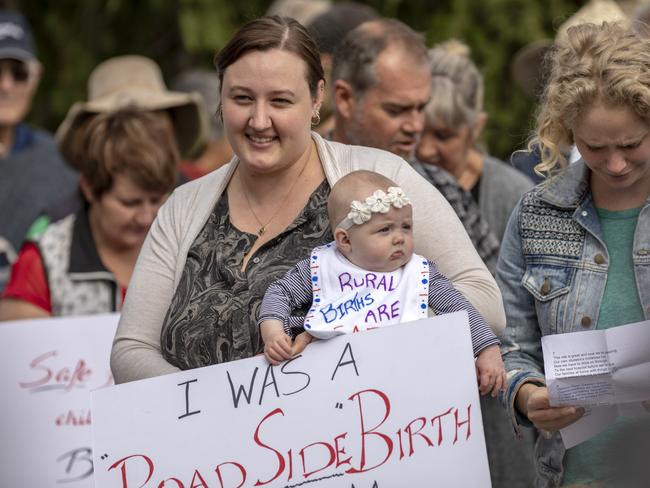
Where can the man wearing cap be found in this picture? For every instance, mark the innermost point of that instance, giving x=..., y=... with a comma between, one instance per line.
x=32, y=174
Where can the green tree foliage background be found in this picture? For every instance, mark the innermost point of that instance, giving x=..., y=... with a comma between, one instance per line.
x=73, y=36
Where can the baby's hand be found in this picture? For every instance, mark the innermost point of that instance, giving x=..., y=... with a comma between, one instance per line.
x=277, y=344
x=301, y=341
x=278, y=349
x=490, y=371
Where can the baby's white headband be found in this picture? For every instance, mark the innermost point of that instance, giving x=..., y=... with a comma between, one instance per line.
x=378, y=202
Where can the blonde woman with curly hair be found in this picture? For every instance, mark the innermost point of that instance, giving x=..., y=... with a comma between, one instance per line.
x=575, y=253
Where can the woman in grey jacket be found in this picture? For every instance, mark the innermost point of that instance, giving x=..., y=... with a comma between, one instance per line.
x=454, y=122
x=576, y=253
x=219, y=241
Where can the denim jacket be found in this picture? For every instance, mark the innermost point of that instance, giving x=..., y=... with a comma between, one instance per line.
x=552, y=271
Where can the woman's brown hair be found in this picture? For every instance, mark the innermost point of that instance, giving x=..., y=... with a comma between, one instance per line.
x=140, y=145
x=273, y=32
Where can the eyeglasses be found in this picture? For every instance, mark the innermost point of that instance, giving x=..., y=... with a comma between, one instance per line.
x=18, y=70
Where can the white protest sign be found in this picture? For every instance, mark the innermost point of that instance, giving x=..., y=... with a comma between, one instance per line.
x=48, y=368
x=396, y=406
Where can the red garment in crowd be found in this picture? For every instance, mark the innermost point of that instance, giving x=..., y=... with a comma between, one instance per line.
x=28, y=280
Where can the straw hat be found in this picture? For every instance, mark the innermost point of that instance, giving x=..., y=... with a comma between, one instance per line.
x=596, y=12
x=528, y=67
x=136, y=81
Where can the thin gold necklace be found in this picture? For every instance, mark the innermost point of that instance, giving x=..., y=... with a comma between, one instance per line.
x=263, y=226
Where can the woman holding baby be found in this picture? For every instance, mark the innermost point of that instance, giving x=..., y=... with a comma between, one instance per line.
x=220, y=241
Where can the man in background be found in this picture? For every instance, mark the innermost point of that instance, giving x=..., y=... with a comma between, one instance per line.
x=32, y=174
x=381, y=82
x=328, y=30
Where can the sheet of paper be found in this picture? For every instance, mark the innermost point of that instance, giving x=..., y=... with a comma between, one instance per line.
x=597, y=419
x=585, y=391
x=605, y=371
x=594, y=421
x=631, y=369
x=599, y=367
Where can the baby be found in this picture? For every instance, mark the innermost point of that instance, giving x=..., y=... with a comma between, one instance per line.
x=369, y=277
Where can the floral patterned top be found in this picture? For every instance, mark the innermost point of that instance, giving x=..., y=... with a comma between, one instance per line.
x=212, y=315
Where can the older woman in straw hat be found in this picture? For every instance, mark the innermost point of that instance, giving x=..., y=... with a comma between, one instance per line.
x=219, y=241
x=136, y=81
x=124, y=141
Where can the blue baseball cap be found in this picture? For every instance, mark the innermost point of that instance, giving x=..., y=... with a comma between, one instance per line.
x=16, y=41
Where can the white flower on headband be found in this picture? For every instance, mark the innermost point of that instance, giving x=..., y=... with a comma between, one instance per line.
x=359, y=212
x=379, y=202
x=397, y=197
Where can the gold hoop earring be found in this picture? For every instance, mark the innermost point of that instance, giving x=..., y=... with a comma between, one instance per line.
x=315, y=119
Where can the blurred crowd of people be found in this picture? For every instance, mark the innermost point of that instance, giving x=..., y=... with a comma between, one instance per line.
x=77, y=208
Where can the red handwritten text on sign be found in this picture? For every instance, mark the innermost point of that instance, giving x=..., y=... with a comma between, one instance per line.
x=322, y=458
x=48, y=376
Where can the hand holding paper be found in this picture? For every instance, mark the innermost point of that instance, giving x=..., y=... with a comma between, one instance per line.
x=600, y=367
x=539, y=411
x=603, y=370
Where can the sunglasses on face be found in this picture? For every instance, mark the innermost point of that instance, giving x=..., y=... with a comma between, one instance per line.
x=18, y=70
